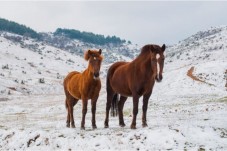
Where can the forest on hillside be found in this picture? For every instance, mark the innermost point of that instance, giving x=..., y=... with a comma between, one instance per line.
x=13, y=27
x=88, y=37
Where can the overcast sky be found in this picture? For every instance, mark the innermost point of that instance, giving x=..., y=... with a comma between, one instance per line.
x=140, y=22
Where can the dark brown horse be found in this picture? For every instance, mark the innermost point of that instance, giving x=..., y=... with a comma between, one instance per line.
x=84, y=86
x=134, y=79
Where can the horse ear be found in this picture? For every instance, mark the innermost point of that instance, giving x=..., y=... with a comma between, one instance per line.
x=87, y=55
x=100, y=51
x=163, y=47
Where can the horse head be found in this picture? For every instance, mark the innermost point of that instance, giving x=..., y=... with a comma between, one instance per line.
x=158, y=58
x=95, y=59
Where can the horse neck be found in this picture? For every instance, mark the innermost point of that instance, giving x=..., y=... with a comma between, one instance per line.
x=88, y=73
x=144, y=59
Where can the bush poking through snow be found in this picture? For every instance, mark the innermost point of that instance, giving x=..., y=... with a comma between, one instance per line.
x=22, y=82
x=9, y=92
x=41, y=80
x=5, y=66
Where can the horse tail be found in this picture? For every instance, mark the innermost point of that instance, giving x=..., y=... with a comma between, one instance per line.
x=114, y=105
x=109, y=90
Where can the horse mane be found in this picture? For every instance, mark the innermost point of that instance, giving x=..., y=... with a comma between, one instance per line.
x=94, y=53
x=152, y=48
x=145, y=50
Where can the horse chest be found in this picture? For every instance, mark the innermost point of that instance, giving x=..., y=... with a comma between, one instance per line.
x=91, y=90
x=144, y=86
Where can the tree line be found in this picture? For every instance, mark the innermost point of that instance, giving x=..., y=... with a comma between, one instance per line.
x=89, y=37
x=13, y=27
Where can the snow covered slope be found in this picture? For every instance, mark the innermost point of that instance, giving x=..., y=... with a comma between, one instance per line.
x=187, y=110
x=27, y=71
x=206, y=51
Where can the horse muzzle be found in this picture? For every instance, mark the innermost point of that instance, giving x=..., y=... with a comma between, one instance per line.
x=158, y=78
x=96, y=75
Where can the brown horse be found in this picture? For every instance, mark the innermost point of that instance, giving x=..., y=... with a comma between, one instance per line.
x=134, y=79
x=84, y=86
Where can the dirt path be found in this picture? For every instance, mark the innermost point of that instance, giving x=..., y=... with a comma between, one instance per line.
x=190, y=74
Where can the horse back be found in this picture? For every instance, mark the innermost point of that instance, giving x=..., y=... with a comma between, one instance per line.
x=113, y=67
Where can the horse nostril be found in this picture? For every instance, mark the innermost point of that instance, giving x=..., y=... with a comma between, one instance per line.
x=96, y=74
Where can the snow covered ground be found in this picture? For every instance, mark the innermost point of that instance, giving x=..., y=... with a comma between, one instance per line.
x=183, y=114
x=176, y=122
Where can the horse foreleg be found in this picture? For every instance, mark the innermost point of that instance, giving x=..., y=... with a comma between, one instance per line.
x=120, y=110
x=84, y=112
x=93, y=110
x=135, y=110
x=145, y=103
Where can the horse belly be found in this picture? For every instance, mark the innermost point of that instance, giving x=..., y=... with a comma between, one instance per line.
x=75, y=94
x=121, y=88
x=74, y=87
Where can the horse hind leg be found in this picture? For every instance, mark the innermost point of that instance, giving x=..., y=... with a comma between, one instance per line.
x=110, y=96
x=70, y=103
x=73, y=103
x=68, y=114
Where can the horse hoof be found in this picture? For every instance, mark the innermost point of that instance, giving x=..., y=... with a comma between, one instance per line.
x=106, y=126
x=82, y=128
x=73, y=126
x=67, y=125
x=122, y=125
x=94, y=127
x=133, y=127
x=144, y=125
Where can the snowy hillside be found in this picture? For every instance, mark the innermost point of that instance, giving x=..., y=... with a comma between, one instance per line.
x=38, y=70
x=187, y=110
x=112, y=52
x=206, y=51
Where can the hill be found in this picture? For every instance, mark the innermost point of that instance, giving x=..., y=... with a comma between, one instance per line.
x=70, y=40
x=206, y=52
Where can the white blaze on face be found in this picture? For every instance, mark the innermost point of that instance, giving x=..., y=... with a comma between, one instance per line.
x=158, y=66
